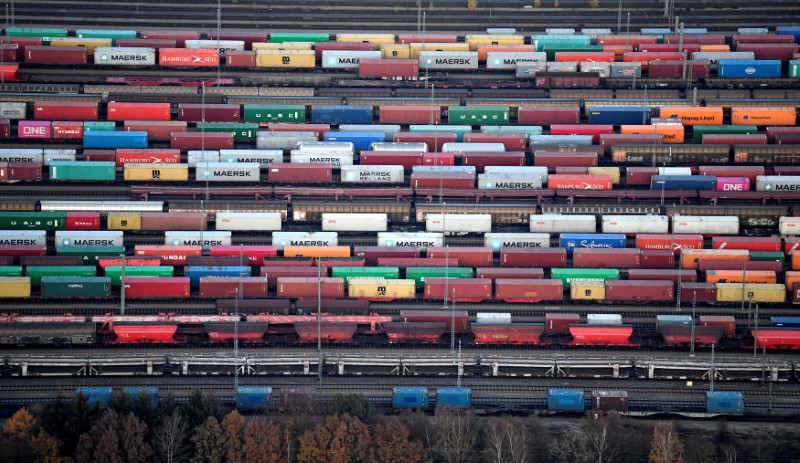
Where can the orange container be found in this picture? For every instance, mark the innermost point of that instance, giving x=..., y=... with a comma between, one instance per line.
x=484, y=49
x=316, y=251
x=795, y=260
x=791, y=279
x=617, y=50
x=690, y=257
x=579, y=182
x=763, y=115
x=694, y=115
x=671, y=133
x=715, y=48
x=736, y=276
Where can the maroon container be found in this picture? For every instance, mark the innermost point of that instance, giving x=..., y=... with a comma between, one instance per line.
x=607, y=140
x=687, y=276
x=319, y=47
x=741, y=39
x=391, y=158
x=7, y=260
x=388, y=68
x=156, y=287
x=213, y=261
x=435, y=141
x=787, y=139
x=603, y=400
x=406, y=262
x=18, y=252
x=482, y=159
x=272, y=273
x=221, y=287
x=669, y=69
x=410, y=114
x=639, y=175
x=455, y=180
x=157, y=221
x=750, y=243
x=288, y=262
x=702, y=39
x=10, y=52
x=50, y=261
x=201, y=140
x=536, y=257
x=511, y=141
x=191, y=112
x=640, y=290
x=35, y=54
x=701, y=292
x=156, y=130
x=786, y=170
x=551, y=159
x=24, y=171
x=595, y=130
x=310, y=288
x=447, y=317
x=528, y=290
x=657, y=258
x=240, y=59
x=705, y=265
x=751, y=172
x=567, y=170
x=3, y=172
x=606, y=258
x=559, y=322
x=547, y=115
x=319, y=129
x=796, y=293
x=734, y=139
x=371, y=254
x=180, y=38
x=494, y=273
x=772, y=132
x=458, y=289
x=100, y=155
x=343, y=262
x=5, y=129
x=147, y=43
x=22, y=43
x=438, y=159
x=67, y=130
x=300, y=173
x=65, y=110
x=248, y=37
x=689, y=48
x=467, y=256
x=727, y=322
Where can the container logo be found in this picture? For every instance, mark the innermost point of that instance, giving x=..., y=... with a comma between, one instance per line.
x=750, y=70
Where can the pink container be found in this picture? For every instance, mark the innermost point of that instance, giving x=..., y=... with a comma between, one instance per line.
x=733, y=184
x=33, y=129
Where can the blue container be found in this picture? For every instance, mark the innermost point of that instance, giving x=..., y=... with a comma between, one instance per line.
x=360, y=140
x=454, y=397
x=565, y=400
x=620, y=115
x=577, y=140
x=410, y=397
x=673, y=320
x=683, y=182
x=114, y=140
x=789, y=30
x=253, y=397
x=96, y=395
x=571, y=241
x=341, y=114
x=733, y=68
x=656, y=31
x=731, y=403
x=387, y=129
x=785, y=322
x=695, y=30
x=149, y=392
x=196, y=272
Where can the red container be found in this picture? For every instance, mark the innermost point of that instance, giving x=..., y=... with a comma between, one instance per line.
x=156, y=287
x=371, y=254
x=528, y=291
x=482, y=159
x=288, y=262
x=467, y=256
x=185, y=57
x=3, y=171
x=138, y=111
x=248, y=37
x=777, y=338
x=65, y=110
x=147, y=156
x=689, y=48
x=99, y=155
x=169, y=255
x=607, y=140
x=388, y=68
x=605, y=400
x=579, y=56
x=559, y=322
x=639, y=175
x=494, y=273
x=667, y=69
x=274, y=272
x=658, y=259
x=534, y=257
x=458, y=289
x=83, y=221
x=682, y=335
x=156, y=130
x=606, y=258
x=22, y=43
x=223, y=287
x=447, y=317
x=35, y=54
x=319, y=129
x=438, y=159
x=727, y=322
x=5, y=129
x=143, y=333
x=435, y=141
x=24, y=171
x=701, y=39
x=405, y=262
x=453, y=180
x=527, y=334
x=240, y=59
x=739, y=39
x=426, y=38
x=319, y=47
x=596, y=335
x=633, y=40
x=553, y=159
x=68, y=130
x=750, y=172
x=751, y=243
x=639, y=290
x=51, y=261
x=19, y=251
x=202, y=140
x=310, y=288
x=547, y=115
x=252, y=254
x=646, y=58
x=158, y=221
x=391, y=158
x=581, y=129
x=34, y=129
x=299, y=173
x=104, y=262
x=771, y=265
x=191, y=112
x=773, y=131
x=511, y=141
x=673, y=275
x=579, y=182
x=666, y=242
x=9, y=52
x=178, y=36
x=147, y=43
x=734, y=139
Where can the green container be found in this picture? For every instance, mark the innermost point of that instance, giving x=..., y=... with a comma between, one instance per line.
x=459, y=130
x=33, y=220
x=99, y=126
x=115, y=271
x=699, y=130
x=552, y=50
x=114, y=35
x=274, y=113
x=45, y=33
x=478, y=115
x=767, y=256
x=89, y=254
x=241, y=132
x=389, y=273
x=566, y=275
x=10, y=271
x=794, y=68
x=83, y=170
x=563, y=41
x=37, y=272
x=280, y=37
x=526, y=129
x=419, y=274
x=76, y=287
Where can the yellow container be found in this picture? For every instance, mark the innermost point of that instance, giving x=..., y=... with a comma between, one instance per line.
x=587, y=290
x=473, y=40
x=375, y=39
x=612, y=171
x=282, y=46
x=15, y=287
x=395, y=51
x=285, y=59
x=157, y=172
x=124, y=221
x=380, y=289
x=753, y=292
x=415, y=48
x=90, y=44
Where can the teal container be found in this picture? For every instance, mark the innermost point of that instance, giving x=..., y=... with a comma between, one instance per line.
x=37, y=272
x=478, y=115
x=564, y=41
x=241, y=132
x=526, y=129
x=89, y=254
x=419, y=274
x=794, y=68
x=566, y=275
x=552, y=50
x=459, y=130
x=699, y=130
x=274, y=113
x=767, y=256
x=114, y=35
x=76, y=287
x=281, y=37
x=33, y=220
x=99, y=126
x=44, y=33
x=10, y=271
x=96, y=171
x=115, y=272
x=389, y=273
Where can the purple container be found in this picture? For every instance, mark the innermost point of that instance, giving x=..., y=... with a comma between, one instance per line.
x=33, y=129
x=733, y=184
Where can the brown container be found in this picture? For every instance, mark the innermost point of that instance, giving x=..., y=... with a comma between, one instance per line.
x=345, y=262
x=458, y=289
x=147, y=43
x=456, y=180
x=528, y=291
x=482, y=159
x=50, y=261
x=156, y=130
x=272, y=273
x=568, y=170
x=796, y=293
x=551, y=159
x=309, y=288
x=607, y=140
x=388, y=68
x=606, y=258
x=191, y=112
x=639, y=175
x=5, y=129
x=55, y=55
x=410, y=114
x=299, y=173
x=10, y=52
x=202, y=140
x=727, y=322
x=22, y=43
x=156, y=221
x=773, y=131
x=542, y=258
x=703, y=292
x=8, y=260
x=603, y=400
x=751, y=172
x=494, y=273
x=657, y=258
x=546, y=115
x=371, y=254
x=100, y=155
x=467, y=256
x=407, y=159
x=673, y=275
x=435, y=141
x=222, y=287
x=447, y=317
x=764, y=51
x=240, y=59
x=640, y=290
x=512, y=141
x=734, y=139
x=673, y=69
x=24, y=171
x=559, y=322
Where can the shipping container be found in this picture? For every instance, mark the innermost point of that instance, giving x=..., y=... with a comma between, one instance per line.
x=109, y=140
x=459, y=223
x=310, y=288
x=729, y=403
x=150, y=287
x=340, y=114
x=300, y=173
x=63, y=55
x=186, y=57
x=119, y=56
x=82, y=171
x=705, y=225
x=738, y=68
x=36, y=273
x=527, y=290
x=15, y=287
x=65, y=110
x=380, y=289
x=410, y=398
x=640, y=290
x=568, y=275
x=565, y=400
x=557, y=223
x=358, y=223
x=448, y=60
x=607, y=258
x=760, y=115
x=346, y=59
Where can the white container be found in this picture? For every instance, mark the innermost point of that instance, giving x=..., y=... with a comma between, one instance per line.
x=705, y=224
x=558, y=223
x=595, y=32
x=346, y=59
x=124, y=56
x=354, y=222
x=630, y=224
x=372, y=174
x=512, y=59
x=400, y=146
x=246, y=221
x=335, y=160
x=458, y=223
x=603, y=319
x=539, y=172
x=562, y=66
x=223, y=46
x=497, y=241
x=508, y=182
x=227, y=172
x=262, y=157
x=467, y=147
x=325, y=147
x=22, y=155
x=501, y=30
x=65, y=238
x=559, y=31
x=443, y=169
x=195, y=156
x=602, y=69
x=789, y=226
x=23, y=238
x=777, y=183
x=752, y=30
x=674, y=171
x=283, y=141
x=102, y=206
x=448, y=60
x=575, y=140
x=205, y=239
x=50, y=157
x=493, y=318
x=12, y=110
x=281, y=239
x=386, y=129
x=410, y=239
x=713, y=57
